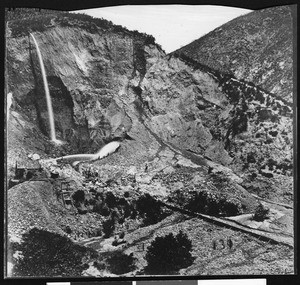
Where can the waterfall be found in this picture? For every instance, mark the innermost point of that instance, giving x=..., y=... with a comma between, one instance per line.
x=47, y=93
x=8, y=103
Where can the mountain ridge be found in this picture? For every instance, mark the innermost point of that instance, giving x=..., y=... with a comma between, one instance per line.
x=189, y=135
x=251, y=47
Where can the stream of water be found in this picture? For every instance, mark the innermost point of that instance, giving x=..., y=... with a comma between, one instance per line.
x=103, y=152
x=47, y=93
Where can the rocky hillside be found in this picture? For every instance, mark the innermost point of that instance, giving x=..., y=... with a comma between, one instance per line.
x=256, y=47
x=191, y=134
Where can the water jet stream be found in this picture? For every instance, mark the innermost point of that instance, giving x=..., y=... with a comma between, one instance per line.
x=103, y=152
x=47, y=93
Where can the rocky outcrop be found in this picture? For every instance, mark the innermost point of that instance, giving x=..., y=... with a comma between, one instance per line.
x=187, y=134
x=106, y=83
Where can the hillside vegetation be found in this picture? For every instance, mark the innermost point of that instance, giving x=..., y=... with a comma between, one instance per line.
x=205, y=156
x=256, y=47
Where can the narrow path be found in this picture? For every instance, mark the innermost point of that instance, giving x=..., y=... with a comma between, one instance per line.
x=272, y=202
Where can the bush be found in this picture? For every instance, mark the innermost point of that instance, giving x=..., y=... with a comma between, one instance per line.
x=97, y=232
x=101, y=208
x=230, y=207
x=98, y=206
x=197, y=201
x=110, y=199
x=115, y=242
x=78, y=197
x=205, y=202
x=120, y=263
x=150, y=209
x=99, y=265
x=168, y=254
x=67, y=229
x=261, y=213
x=49, y=254
x=122, y=235
x=108, y=227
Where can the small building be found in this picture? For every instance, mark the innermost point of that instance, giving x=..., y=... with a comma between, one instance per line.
x=27, y=171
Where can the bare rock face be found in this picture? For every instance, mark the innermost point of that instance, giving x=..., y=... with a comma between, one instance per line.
x=106, y=83
x=191, y=136
x=84, y=72
x=171, y=104
x=216, y=152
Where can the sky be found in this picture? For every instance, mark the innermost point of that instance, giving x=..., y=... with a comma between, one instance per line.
x=173, y=26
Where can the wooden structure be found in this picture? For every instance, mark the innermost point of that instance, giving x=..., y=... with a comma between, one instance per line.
x=66, y=193
x=33, y=172
x=26, y=173
x=140, y=247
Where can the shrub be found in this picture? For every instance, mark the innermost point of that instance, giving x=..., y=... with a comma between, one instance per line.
x=99, y=265
x=49, y=254
x=120, y=263
x=205, y=202
x=97, y=232
x=110, y=199
x=108, y=227
x=105, y=211
x=197, y=201
x=150, y=209
x=122, y=235
x=68, y=230
x=168, y=254
x=128, y=209
x=101, y=208
x=230, y=207
x=98, y=206
x=115, y=242
x=261, y=213
x=212, y=205
x=78, y=197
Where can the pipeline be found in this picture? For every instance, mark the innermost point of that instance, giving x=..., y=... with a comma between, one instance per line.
x=264, y=236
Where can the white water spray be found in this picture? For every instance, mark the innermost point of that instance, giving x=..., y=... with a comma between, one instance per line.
x=107, y=150
x=103, y=152
x=47, y=93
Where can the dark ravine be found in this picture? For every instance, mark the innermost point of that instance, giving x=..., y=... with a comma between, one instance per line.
x=184, y=125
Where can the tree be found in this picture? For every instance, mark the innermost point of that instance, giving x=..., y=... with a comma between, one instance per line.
x=261, y=213
x=168, y=254
x=120, y=263
x=78, y=197
x=108, y=227
x=150, y=209
x=50, y=254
